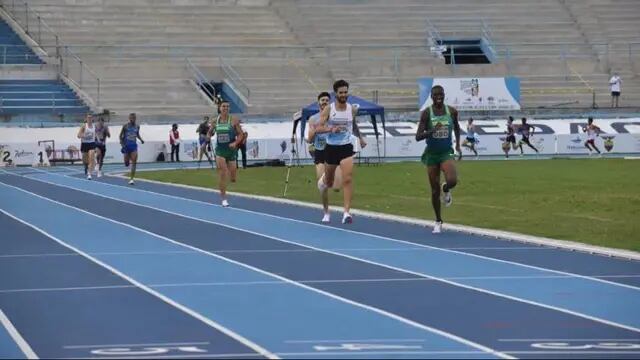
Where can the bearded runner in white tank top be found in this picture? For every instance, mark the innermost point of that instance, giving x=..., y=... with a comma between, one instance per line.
x=339, y=120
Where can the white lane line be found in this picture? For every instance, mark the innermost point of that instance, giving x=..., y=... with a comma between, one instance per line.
x=17, y=338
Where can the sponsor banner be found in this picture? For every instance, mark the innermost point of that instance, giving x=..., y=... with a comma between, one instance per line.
x=497, y=127
x=23, y=154
x=606, y=143
x=270, y=149
x=473, y=93
x=283, y=130
x=268, y=141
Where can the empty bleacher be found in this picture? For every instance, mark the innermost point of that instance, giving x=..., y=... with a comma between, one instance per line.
x=13, y=50
x=285, y=51
x=541, y=42
x=38, y=97
x=29, y=88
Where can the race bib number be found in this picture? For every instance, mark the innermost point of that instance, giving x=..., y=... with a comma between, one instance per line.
x=223, y=138
x=442, y=133
x=322, y=142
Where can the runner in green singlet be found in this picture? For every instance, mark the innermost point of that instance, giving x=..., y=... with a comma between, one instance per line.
x=436, y=123
x=229, y=136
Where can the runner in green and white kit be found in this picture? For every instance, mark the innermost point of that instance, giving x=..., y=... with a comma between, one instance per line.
x=436, y=123
x=229, y=136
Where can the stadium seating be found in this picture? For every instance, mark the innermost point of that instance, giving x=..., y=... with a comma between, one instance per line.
x=285, y=51
x=13, y=50
x=21, y=97
x=38, y=97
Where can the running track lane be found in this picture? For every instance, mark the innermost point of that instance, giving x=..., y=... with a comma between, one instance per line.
x=276, y=314
x=62, y=302
x=608, y=301
x=559, y=325
x=612, y=269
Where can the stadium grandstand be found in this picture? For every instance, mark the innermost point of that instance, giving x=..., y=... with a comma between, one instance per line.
x=272, y=57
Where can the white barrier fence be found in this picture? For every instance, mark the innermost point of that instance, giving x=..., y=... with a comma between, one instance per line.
x=269, y=149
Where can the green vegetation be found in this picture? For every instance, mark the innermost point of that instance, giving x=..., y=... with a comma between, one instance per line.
x=594, y=201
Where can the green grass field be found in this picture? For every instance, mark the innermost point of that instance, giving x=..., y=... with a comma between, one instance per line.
x=594, y=201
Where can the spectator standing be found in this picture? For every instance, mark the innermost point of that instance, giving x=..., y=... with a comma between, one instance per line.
x=174, y=140
x=616, y=88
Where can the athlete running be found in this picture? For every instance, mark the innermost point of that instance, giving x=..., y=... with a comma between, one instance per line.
x=436, y=124
x=338, y=119
x=592, y=131
x=229, y=135
x=87, y=136
x=129, y=136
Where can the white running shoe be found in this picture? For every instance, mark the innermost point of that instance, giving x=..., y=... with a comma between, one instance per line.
x=437, y=229
x=225, y=203
x=326, y=218
x=347, y=218
x=89, y=176
x=446, y=196
x=131, y=182
x=321, y=185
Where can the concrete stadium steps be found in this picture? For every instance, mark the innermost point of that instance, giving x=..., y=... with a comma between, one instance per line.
x=287, y=50
x=138, y=47
x=13, y=50
x=20, y=97
x=277, y=87
x=535, y=31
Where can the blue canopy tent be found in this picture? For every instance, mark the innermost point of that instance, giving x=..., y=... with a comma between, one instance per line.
x=365, y=108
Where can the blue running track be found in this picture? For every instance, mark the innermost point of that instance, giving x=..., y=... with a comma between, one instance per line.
x=102, y=269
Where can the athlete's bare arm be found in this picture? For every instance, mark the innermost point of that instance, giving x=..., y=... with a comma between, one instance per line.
x=324, y=119
x=424, y=131
x=356, y=129
x=238, y=128
x=81, y=132
x=456, y=127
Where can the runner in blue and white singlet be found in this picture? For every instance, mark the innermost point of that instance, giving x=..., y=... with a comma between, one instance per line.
x=318, y=141
x=339, y=120
x=470, y=140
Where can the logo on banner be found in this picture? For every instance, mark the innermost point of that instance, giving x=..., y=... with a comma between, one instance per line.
x=22, y=153
x=608, y=142
x=539, y=143
x=575, y=143
x=253, y=149
x=405, y=146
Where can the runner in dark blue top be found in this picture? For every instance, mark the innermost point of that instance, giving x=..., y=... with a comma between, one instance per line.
x=526, y=131
x=128, y=139
x=102, y=133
